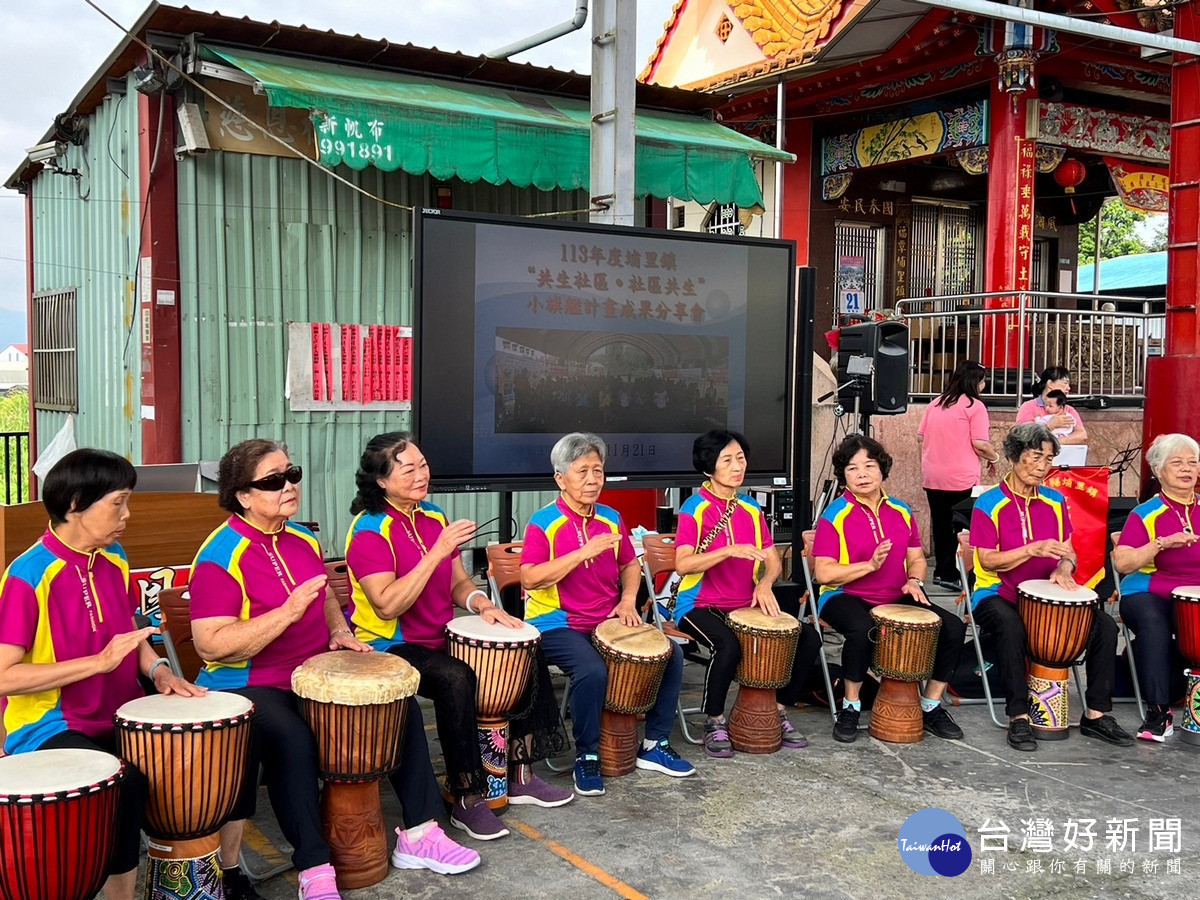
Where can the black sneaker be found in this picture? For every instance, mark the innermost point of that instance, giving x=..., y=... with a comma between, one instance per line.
x=1020, y=735
x=238, y=886
x=938, y=723
x=950, y=584
x=1159, y=724
x=1107, y=729
x=846, y=728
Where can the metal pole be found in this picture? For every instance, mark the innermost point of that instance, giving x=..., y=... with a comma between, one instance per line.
x=614, y=31
x=779, y=120
x=1096, y=255
x=544, y=37
x=1068, y=25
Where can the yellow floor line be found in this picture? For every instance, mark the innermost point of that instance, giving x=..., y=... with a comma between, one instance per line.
x=266, y=850
x=611, y=882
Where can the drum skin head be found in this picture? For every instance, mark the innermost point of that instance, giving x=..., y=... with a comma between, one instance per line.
x=753, y=617
x=1044, y=589
x=54, y=771
x=173, y=709
x=636, y=640
x=350, y=678
x=1188, y=592
x=474, y=627
x=908, y=615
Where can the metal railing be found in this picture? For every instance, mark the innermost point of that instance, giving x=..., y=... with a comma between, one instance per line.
x=16, y=466
x=1104, y=340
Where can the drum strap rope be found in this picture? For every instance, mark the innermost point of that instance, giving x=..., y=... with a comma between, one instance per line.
x=705, y=543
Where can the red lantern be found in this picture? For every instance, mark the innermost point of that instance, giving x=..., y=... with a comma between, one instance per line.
x=1070, y=174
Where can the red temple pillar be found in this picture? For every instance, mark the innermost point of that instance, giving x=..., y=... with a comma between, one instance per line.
x=1009, y=239
x=1172, y=401
x=797, y=187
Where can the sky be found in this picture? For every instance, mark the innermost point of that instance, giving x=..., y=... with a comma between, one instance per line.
x=50, y=48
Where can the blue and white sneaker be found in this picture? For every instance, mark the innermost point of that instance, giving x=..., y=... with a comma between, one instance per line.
x=663, y=758
x=588, y=782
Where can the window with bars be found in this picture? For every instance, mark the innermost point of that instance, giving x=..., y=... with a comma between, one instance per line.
x=55, y=376
x=723, y=218
x=859, y=251
x=944, y=250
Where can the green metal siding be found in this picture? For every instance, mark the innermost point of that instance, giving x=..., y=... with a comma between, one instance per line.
x=265, y=241
x=91, y=243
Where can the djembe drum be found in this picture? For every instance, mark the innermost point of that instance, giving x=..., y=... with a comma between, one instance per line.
x=768, y=650
x=1187, y=630
x=355, y=704
x=636, y=656
x=1057, y=624
x=58, y=816
x=905, y=646
x=192, y=750
x=502, y=659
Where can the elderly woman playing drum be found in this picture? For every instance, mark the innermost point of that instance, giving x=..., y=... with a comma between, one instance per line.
x=407, y=578
x=70, y=654
x=727, y=559
x=260, y=608
x=1020, y=531
x=579, y=569
x=1158, y=553
x=866, y=553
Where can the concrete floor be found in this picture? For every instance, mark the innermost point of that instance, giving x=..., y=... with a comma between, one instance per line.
x=824, y=822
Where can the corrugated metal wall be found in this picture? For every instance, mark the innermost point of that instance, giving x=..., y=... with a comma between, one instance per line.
x=265, y=241
x=85, y=235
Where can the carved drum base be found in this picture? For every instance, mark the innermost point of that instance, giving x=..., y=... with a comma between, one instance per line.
x=352, y=824
x=896, y=713
x=183, y=870
x=618, y=743
x=1048, y=702
x=754, y=721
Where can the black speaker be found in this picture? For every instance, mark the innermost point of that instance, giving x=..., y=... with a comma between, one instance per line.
x=885, y=391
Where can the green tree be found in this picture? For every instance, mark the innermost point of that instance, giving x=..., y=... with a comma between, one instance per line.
x=14, y=418
x=1118, y=234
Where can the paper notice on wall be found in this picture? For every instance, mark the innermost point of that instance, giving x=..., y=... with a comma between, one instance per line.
x=348, y=367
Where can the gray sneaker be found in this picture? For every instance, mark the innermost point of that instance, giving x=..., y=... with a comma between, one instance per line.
x=716, y=740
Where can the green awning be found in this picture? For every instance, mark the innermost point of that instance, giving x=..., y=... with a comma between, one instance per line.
x=473, y=132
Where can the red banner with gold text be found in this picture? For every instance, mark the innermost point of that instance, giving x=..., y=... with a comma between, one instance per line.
x=1086, y=490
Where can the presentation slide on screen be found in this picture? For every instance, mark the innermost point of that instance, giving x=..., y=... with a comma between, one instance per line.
x=642, y=341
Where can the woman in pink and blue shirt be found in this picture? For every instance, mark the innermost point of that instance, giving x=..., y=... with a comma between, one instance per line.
x=407, y=579
x=578, y=569
x=70, y=654
x=260, y=608
x=1159, y=551
x=736, y=569
x=867, y=552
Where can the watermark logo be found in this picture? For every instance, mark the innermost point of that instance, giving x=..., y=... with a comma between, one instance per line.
x=934, y=842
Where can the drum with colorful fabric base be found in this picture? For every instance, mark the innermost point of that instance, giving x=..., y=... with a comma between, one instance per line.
x=58, y=817
x=636, y=657
x=905, y=646
x=1058, y=623
x=192, y=750
x=356, y=704
x=502, y=659
x=768, y=651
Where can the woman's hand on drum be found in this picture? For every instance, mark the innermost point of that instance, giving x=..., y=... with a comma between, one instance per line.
x=167, y=682
x=494, y=615
x=879, y=557
x=626, y=613
x=914, y=590
x=745, y=551
x=302, y=597
x=454, y=534
x=764, y=599
x=343, y=639
x=1064, y=578
x=120, y=647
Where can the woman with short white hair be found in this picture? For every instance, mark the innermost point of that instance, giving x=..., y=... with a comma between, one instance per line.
x=1158, y=552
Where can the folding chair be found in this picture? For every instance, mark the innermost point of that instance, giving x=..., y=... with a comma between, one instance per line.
x=504, y=574
x=338, y=573
x=1128, y=635
x=174, y=605
x=814, y=619
x=966, y=564
x=658, y=564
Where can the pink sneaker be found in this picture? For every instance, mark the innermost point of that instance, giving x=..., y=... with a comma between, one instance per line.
x=433, y=851
x=319, y=883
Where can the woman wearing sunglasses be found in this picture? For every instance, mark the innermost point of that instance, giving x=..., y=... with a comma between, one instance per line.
x=260, y=608
x=406, y=579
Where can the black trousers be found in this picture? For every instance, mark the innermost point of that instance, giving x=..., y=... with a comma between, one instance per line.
x=131, y=807
x=450, y=684
x=851, y=617
x=283, y=744
x=711, y=629
x=1152, y=619
x=941, y=529
x=1001, y=619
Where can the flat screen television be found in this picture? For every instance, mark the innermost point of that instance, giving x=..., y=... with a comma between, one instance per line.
x=528, y=329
